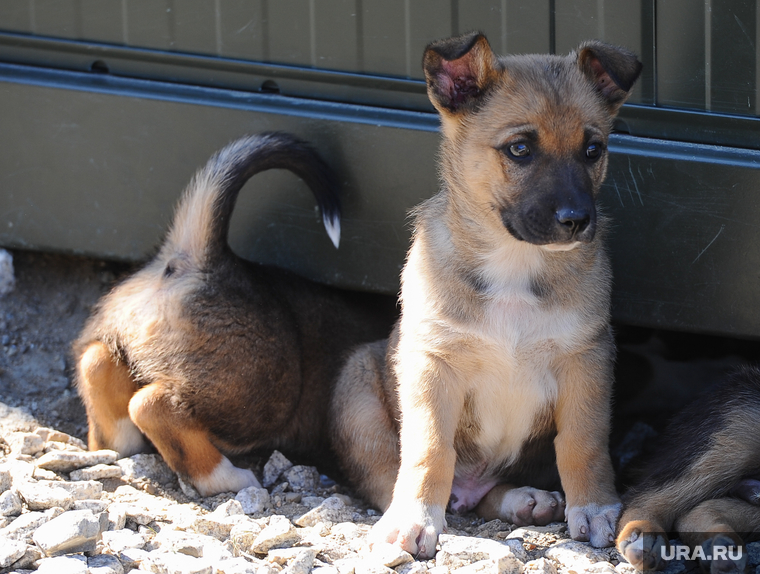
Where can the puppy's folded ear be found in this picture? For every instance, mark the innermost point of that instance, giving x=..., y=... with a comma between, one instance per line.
x=459, y=71
x=612, y=70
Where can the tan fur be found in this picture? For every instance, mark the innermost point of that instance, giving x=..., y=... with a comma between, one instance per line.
x=203, y=353
x=501, y=341
x=109, y=389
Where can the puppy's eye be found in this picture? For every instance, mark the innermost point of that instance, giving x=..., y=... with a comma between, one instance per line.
x=593, y=151
x=519, y=150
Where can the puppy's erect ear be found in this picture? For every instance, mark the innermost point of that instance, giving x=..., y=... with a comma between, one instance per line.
x=613, y=70
x=458, y=71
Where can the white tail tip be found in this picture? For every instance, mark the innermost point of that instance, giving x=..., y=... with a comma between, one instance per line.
x=332, y=226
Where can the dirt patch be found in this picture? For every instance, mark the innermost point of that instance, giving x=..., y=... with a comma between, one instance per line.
x=39, y=319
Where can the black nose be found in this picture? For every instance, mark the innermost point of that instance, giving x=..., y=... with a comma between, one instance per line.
x=573, y=220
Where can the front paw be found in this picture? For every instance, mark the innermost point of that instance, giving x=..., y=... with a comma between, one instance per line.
x=526, y=506
x=642, y=543
x=412, y=526
x=594, y=523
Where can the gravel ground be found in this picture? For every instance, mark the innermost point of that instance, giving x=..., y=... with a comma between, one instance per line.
x=63, y=509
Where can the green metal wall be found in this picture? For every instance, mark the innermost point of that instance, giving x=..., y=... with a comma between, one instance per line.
x=107, y=107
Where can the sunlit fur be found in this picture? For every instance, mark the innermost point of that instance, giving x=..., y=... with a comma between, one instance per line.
x=200, y=352
x=503, y=344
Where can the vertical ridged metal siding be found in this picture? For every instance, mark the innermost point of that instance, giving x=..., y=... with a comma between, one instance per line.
x=699, y=54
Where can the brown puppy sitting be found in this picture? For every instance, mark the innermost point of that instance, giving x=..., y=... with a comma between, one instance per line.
x=202, y=352
x=503, y=355
x=703, y=482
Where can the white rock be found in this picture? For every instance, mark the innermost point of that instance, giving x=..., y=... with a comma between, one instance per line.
x=11, y=551
x=25, y=443
x=117, y=516
x=390, y=555
x=540, y=566
x=30, y=558
x=140, y=507
x=601, y=568
x=575, y=555
x=95, y=506
x=83, y=490
x=10, y=504
x=150, y=466
x=181, y=515
x=363, y=567
x=104, y=564
x=52, y=435
x=42, y=474
x=74, y=564
x=332, y=510
x=302, y=478
x=230, y=508
x=188, y=489
x=517, y=549
x=119, y=540
x=346, y=565
x=97, y=472
x=412, y=568
x=5, y=479
x=253, y=499
x=625, y=568
x=235, y=566
x=66, y=461
x=132, y=558
x=24, y=526
x=174, y=563
x=218, y=526
x=242, y=535
x=280, y=532
x=21, y=471
x=73, y=531
x=297, y=560
x=458, y=551
x=275, y=466
x=45, y=494
x=312, y=501
x=191, y=544
x=346, y=530
x=481, y=566
x=7, y=279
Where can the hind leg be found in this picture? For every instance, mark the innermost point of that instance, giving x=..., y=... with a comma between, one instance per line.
x=184, y=445
x=714, y=525
x=364, y=431
x=642, y=531
x=522, y=506
x=106, y=388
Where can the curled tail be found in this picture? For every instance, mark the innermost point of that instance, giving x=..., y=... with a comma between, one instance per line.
x=202, y=219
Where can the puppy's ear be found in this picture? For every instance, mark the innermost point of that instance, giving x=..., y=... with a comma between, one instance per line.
x=459, y=71
x=612, y=70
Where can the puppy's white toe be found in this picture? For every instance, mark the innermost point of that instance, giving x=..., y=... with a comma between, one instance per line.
x=225, y=478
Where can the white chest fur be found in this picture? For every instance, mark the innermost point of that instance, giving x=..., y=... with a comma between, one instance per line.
x=513, y=343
